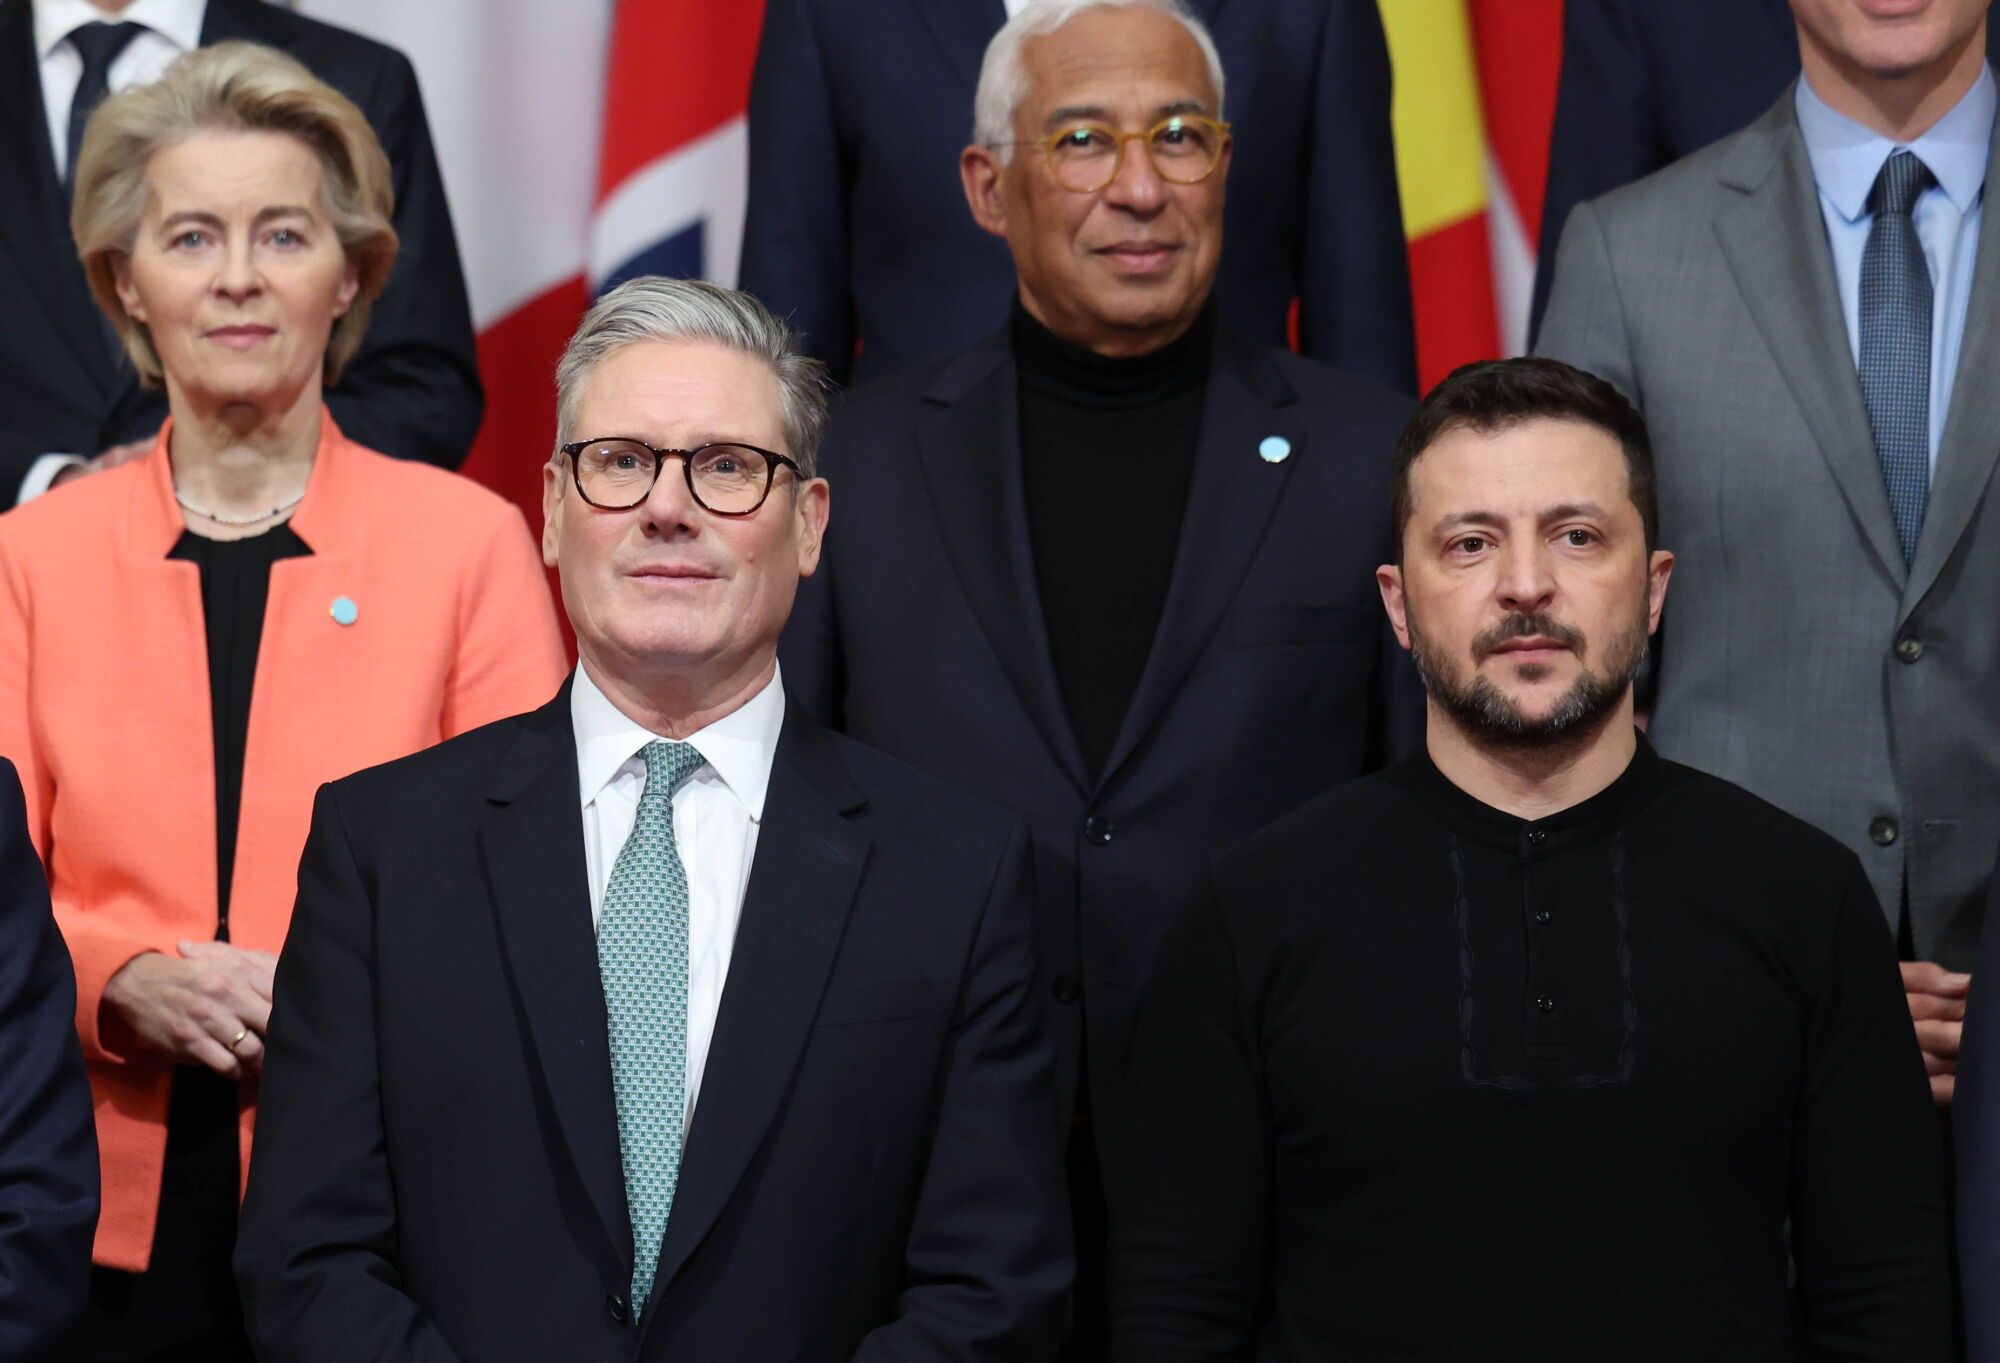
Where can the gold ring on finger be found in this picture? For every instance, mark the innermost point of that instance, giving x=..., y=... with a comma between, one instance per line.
x=237, y=1040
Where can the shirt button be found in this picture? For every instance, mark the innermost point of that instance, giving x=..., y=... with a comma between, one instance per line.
x=1882, y=831
x=1543, y=916
x=1536, y=837
x=1545, y=1004
x=615, y=1306
x=1098, y=830
x=1909, y=648
x=1066, y=988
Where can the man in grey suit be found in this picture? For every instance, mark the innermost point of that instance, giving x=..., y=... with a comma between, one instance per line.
x=1808, y=314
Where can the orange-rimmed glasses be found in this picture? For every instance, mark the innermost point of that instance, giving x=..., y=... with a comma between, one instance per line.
x=1085, y=157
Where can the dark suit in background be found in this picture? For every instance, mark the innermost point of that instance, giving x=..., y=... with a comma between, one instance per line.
x=1272, y=674
x=411, y=391
x=1976, y=1123
x=857, y=226
x=1645, y=82
x=48, y=1144
x=870, y=1171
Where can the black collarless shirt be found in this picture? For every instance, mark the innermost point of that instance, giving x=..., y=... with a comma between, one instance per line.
x=1425, y=1081
x=1107, y=453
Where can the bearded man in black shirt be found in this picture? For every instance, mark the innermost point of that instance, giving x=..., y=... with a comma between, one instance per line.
x=1534, y=1046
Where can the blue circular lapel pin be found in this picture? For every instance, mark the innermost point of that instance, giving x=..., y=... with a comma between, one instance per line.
x=344, y=611
x=1274, y=449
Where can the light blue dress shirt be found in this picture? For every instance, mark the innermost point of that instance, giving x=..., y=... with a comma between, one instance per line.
x=1846, y=158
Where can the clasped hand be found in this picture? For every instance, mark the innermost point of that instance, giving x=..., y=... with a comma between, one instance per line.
x=208, y=1006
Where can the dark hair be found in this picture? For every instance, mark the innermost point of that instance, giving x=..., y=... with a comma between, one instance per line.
x=1492, y=394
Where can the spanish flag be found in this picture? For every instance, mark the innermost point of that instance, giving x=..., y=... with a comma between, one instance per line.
x=1475, y=97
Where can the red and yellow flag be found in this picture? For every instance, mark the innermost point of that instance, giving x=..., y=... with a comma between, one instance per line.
x=1474, y=99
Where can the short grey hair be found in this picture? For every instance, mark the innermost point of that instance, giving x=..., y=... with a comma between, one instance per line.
x=1003, y=78
x=654, y=308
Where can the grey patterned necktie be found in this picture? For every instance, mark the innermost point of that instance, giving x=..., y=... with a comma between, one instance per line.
x=642, y=956
x=1896, y=343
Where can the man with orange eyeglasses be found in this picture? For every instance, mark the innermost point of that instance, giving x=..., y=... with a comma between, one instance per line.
x=1112, y=566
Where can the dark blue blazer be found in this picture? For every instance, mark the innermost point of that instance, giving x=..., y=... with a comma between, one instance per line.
x=48, y=1140
x=1976, y=1121
x=873, y=1169
x=1645, y=82
x=413, y=388
x=858, y=227
x=1272, y=676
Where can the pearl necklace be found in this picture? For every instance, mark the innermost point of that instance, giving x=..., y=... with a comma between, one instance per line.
x=237, y=521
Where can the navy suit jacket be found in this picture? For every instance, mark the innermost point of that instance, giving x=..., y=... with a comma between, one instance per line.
x=48, y=1139
x=1645, y=82
x=1272, y=675
x=873, y=1168
x=413, y=388
x=859, y=231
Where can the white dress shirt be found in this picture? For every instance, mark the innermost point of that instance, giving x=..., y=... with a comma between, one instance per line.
x=172, y=27
x=716, y=814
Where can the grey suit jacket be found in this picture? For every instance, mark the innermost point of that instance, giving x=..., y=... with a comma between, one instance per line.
x=1799, y=657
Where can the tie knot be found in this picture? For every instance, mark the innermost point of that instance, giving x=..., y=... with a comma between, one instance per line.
x=99, y=44
x=1903, y=177
x=667, y=765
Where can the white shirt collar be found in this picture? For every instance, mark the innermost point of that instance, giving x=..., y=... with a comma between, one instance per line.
x=739, y=747
x=178, y=21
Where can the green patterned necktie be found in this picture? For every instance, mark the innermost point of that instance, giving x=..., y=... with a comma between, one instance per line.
x=642, y=955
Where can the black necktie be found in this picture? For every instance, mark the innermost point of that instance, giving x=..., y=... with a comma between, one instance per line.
x=1896, y=343
x=99, y=46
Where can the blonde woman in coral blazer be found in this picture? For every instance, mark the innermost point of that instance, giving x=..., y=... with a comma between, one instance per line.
x=154, y=709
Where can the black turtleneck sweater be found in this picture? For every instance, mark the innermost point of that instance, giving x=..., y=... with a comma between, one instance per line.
x=1422, y=1080
x=1107, y=452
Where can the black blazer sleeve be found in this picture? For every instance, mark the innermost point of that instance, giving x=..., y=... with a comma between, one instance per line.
x=413, y=390
x=1354, y=277
x=316, y=1246
x=988, y=1263
x=795, y=231
x=1187, y=1157
x=48, y=1140
x=1976, y=1115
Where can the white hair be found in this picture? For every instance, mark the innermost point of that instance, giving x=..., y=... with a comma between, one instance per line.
x=1003, y=79
x=654, y=308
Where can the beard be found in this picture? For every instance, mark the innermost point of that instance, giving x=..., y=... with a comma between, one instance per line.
x=1489, y=716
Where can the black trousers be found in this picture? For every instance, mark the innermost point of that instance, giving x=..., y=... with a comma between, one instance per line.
x=184, y=1307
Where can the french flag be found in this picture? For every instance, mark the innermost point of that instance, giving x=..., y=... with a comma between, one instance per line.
x=581, y=143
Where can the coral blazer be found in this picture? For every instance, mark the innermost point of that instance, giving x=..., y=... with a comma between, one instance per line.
x=421, y=612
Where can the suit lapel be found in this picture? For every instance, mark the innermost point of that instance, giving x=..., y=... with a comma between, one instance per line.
x=34, y=229
x=1972, y=427
x=809, y=860
x=1774, y=239
x=969, y=445
x=961, y=29
x=1230, y=502
x=532, y=846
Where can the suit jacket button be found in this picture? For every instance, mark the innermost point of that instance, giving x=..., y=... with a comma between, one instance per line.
x=1066, y=988
x=1098, y=830
x=1909, y=648
x=1882, y=831
x=617, y=1307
